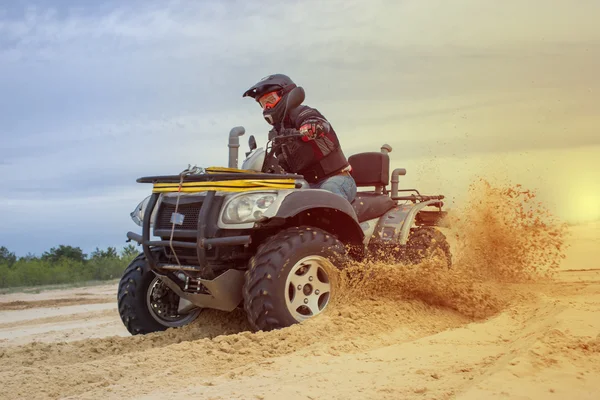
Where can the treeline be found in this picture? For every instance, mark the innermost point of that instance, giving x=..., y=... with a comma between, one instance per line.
x=63, y=264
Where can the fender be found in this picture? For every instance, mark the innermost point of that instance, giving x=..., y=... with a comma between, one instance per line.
x=394, y=226
x=343, y=216
x=306, y=199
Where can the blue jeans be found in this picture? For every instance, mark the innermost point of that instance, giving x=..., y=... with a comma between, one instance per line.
x=342, y=185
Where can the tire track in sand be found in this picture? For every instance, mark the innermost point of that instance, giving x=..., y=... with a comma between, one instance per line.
x=60, y=302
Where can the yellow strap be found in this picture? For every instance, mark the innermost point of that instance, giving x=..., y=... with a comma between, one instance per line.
x=229, y=170
x=236, y=183
x=226, y=186
x=219, y=189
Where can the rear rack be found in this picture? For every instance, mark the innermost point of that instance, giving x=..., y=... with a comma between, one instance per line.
x=419, y=197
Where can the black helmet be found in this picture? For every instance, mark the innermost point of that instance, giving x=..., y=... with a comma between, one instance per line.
x=279, y=83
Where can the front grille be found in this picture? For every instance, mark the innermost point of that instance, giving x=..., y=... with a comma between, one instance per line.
x=187, y=256
x=189, y=211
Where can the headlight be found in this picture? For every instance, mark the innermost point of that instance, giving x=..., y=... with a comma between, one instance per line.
x=137, y=215
x=248, y=207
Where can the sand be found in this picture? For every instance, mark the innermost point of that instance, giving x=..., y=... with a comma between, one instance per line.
x=516, y=317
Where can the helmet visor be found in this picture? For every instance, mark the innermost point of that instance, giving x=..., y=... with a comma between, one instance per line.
x=269, y=100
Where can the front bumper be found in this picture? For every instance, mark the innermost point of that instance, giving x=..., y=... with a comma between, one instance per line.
x=222, y=291
x=199, y=232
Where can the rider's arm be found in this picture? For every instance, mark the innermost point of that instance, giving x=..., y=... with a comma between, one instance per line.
x=315, y=126
x=312, y=124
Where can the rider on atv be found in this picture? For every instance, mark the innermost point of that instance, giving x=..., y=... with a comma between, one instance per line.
x=317, y=155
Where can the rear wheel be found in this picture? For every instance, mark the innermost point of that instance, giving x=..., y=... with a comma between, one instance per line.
x=427, y=242
x=292, y=277
x=146, y=304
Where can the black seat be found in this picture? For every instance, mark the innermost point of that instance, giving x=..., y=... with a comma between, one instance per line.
x=369, y=205
x=371, y=169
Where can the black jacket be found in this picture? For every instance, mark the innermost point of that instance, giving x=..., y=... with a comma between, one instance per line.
x=316, y=156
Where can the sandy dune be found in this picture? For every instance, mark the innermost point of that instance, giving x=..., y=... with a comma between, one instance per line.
x=471, y=333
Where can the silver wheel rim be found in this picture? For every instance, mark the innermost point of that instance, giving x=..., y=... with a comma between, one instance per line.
x=155, y=296
x=308, y=287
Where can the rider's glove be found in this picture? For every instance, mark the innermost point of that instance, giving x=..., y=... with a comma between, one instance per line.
x=313, y=128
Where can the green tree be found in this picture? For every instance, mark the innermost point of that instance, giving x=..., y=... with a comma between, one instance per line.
x=64, y=264
x=7, y=257
x=110, y=252
x=29, y=257
x=62, y=251
x=129, y=252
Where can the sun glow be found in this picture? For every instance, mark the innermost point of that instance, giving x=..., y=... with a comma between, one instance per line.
x=585, y=206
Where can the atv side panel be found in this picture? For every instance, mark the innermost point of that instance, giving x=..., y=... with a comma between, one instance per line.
x=368, y=228
x=394, y=226
x=390, y=224
x=410, y=219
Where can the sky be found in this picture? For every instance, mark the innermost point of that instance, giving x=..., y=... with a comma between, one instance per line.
x=94, y=95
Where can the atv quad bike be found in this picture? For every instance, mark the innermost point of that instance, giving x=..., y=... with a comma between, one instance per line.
x=262, y=240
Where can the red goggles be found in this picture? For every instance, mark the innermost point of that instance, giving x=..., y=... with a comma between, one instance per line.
x=269, y=100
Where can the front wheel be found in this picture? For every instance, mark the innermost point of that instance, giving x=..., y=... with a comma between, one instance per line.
x=146, y=304
x=292, y=277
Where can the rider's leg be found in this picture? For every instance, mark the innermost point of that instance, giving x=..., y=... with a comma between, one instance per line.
x=342, y=185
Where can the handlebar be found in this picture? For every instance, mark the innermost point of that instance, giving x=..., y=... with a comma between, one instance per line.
x=291, y=136
x=275, y=144
x=287, y=134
